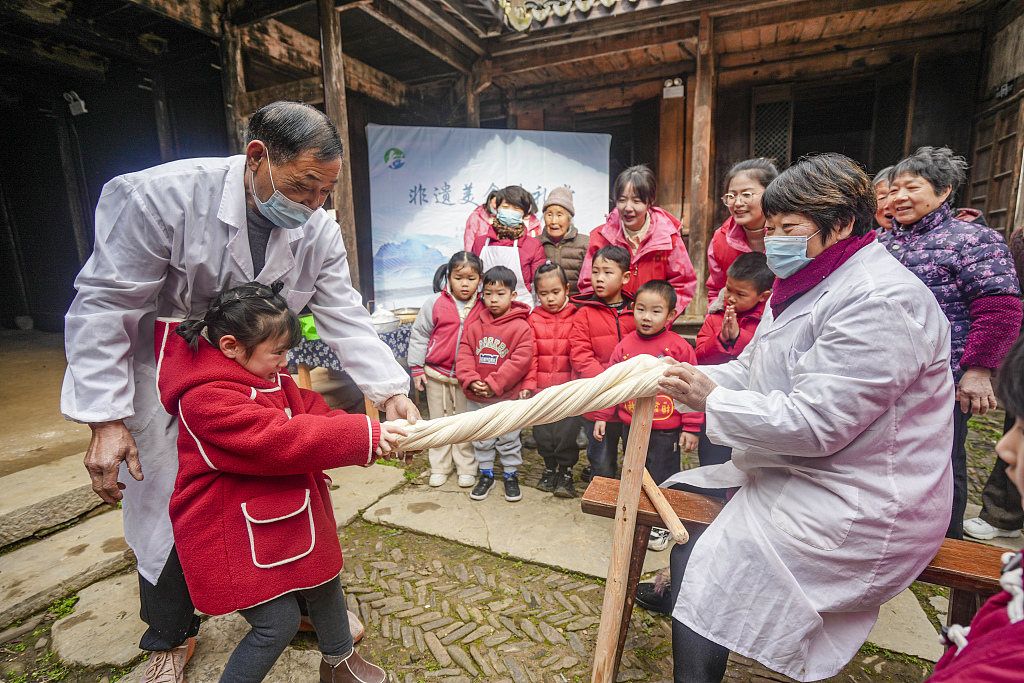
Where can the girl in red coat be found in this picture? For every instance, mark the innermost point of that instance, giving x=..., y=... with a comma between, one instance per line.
x=551, y=322
x=433, y=345
x=648, y=233
x=743, y=231
x=253, y=522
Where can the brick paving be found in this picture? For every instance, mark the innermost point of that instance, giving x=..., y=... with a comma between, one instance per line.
x=439, y=611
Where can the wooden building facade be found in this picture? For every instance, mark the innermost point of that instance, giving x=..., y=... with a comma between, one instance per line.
x=686, y=86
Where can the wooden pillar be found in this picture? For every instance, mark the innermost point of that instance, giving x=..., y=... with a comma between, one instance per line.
x=162, y=114
x=908, y=129
x=702, y=170
x=74, y=185
x=232, y=78
x=687, y=216
x=472, y=106
x=333, y=68
x=530, y=119
x=671, y=152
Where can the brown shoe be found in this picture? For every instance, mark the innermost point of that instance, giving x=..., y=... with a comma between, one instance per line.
x=354, y=626
x=353, y=669
x=168, y=666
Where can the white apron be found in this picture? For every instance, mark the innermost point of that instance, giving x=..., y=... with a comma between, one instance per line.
x=168, y=240
x=838, y=416
x=508, y=257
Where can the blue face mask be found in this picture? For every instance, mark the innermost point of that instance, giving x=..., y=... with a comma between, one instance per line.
x=510, y=218
x=787, y=254
x=279, y=210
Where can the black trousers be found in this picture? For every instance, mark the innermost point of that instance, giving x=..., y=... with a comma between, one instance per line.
x=712, y=454
x=1000, y=500
x=695, y=659
x=662, y=452
x=959, y=456
x=556, y=443
x=167, y=608
x=603, y=456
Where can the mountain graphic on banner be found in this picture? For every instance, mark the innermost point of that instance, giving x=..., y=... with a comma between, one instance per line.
x=411, y=261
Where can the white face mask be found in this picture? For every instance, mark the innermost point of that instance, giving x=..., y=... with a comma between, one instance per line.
x=278, y=209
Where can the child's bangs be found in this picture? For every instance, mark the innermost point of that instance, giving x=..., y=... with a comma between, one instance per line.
x=284, y=326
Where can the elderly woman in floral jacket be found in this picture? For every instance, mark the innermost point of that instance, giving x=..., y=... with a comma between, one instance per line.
x=970, y=271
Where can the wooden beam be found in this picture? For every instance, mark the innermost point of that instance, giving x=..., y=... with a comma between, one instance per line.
x=333, y=61
x=459, y=9
x=591, y=83
x=232, y=78
x=281, y=43
x=702, y=170
x=203, y=15
x=441, y=24
x=401, y=23
x=54, y=55
x=540, y=58
x=596, y=100
x=671, y=153
x=308, y=90
x=245, y=12
x=854, y=61
x=778, y=13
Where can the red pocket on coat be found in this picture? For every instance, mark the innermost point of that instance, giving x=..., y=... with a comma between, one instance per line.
x=280, y=527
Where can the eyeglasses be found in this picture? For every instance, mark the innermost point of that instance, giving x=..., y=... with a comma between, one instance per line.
x=729, y=198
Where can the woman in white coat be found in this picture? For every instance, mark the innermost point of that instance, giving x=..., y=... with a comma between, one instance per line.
x=837, y=413
x=169, y=239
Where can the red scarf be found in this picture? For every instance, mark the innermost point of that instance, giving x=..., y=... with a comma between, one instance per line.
x=785, y=292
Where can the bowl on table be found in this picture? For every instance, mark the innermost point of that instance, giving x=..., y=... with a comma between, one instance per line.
x=384, y=321
x=407, y=315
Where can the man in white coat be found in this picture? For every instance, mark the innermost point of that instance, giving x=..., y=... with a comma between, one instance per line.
x=837, y=413
x=168, y=240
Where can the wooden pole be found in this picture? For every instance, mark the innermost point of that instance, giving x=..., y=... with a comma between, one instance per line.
x=162, y=114
x=614, y=607
x=671, y=153
x=702, y=172
x=232, y=78
x=908, y=129
x=333, y=68
x=668, y=516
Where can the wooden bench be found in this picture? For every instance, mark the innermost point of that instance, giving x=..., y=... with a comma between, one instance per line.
x=970, y=570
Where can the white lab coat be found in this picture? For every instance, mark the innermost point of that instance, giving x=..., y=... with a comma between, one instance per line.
x=168, y=240
x=838, y=413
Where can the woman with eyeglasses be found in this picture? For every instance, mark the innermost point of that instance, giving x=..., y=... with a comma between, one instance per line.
x=743, y=231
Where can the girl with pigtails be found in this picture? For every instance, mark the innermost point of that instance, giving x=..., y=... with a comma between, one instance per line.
x=253, y=523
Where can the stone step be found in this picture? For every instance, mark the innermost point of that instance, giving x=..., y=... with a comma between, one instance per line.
x=33, y=576
x=43, y=497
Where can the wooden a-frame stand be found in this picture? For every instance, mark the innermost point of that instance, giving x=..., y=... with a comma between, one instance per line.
x=627, y=558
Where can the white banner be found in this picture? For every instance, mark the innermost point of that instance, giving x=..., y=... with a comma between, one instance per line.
x=425, y=182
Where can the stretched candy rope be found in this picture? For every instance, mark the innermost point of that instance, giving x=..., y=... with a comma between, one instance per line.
x=634, y=378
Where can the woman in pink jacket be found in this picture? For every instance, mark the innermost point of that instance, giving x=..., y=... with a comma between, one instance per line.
x=650, y=235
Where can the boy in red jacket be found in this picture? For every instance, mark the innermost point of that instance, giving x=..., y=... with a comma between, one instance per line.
x=653, y=309
x=992, y=649
x=734, y=315
x=603, y=319
x=494, y=358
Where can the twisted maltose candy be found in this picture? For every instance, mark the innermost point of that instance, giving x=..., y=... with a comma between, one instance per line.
x=630, y=379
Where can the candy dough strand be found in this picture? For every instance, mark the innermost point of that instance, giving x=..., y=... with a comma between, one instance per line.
x=634, y=378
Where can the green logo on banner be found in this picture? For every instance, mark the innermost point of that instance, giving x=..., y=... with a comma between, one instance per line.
x=394, y=158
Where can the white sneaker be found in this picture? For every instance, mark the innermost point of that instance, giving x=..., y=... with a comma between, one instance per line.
x=983, y=531
x=466, y=480
x=437, y=480
x=659, y=539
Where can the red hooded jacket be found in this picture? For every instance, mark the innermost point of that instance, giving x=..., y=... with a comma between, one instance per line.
x=531, y=252
x=666, y=344
x=498, y=351
x=597, y=328
x=551, y=365
x=661, y=256
x=711, y=350
x=251, y=510
x=479, y=222
x=994, y=648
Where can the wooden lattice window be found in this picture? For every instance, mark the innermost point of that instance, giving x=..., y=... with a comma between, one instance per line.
x=771, y=124
x=996, y=164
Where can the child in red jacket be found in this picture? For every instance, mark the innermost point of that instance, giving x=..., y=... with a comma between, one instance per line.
x=732, y=320
x=653, y=309
x=551, y=323
x=992, y=648
x=507, y=242
x=493, y=361
x=603, y=319
x=735, y=314
x=253, y=523
x=433, y=343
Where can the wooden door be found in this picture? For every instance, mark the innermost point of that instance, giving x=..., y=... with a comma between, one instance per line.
x=996, y=164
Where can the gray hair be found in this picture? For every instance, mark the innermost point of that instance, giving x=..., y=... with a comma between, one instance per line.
x=938, y=165
x=290, y=128
x=882, y=177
